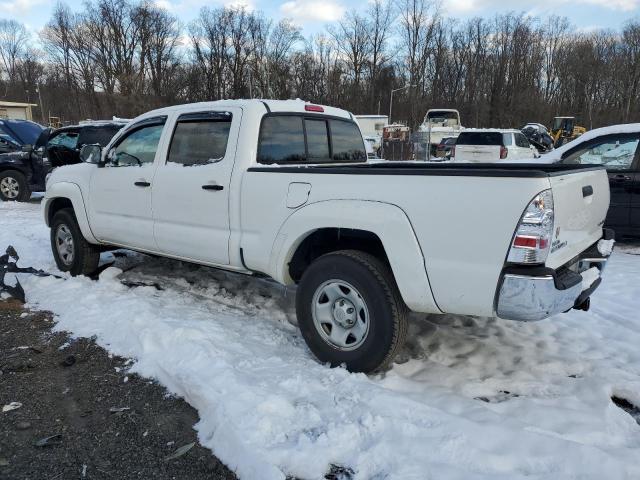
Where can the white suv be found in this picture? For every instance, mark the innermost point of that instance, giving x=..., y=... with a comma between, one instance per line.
x=492, y=145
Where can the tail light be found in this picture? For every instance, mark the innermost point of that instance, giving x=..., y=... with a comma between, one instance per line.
x=503, y=152
x=453, y=151
x=532, y=240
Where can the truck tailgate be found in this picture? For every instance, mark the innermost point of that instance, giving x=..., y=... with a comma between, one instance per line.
x=580, y=200
x=477, y=153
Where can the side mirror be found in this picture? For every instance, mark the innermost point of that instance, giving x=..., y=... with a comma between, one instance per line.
x=91, y=154
x=27, y=148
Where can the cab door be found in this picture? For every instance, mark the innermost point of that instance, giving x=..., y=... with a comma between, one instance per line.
x=191, y=186
x=121, y=189
x=618, y=153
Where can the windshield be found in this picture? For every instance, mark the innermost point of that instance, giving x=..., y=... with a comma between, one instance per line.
x=442, y=118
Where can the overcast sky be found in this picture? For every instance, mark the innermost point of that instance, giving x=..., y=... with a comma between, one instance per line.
x=312, y=15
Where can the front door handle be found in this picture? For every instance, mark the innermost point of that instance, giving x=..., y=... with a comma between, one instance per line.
x=142, y=184
x=213, y=187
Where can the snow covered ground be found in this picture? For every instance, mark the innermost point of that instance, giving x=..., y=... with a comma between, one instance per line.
x=468, y=397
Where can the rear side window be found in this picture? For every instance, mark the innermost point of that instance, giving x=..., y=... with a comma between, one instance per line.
x=302, y=139
x=480, y=138
x=522, y=141
x=200, y=139
x=101, y=135
x=348, y=145
x=65, y=139
x=507, y=139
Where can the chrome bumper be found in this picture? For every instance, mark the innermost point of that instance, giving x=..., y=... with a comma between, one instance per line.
x=529, y=298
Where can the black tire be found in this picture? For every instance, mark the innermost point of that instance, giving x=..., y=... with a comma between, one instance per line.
x=387, y=312
x=9, y=178
x=86, y=256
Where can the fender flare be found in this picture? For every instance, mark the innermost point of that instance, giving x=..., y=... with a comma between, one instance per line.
x=389, y=222
x=71, y=192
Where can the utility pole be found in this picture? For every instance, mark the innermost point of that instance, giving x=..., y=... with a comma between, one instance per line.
x=41, y=105
x=391, y=100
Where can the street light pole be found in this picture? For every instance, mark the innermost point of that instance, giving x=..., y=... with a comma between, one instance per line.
x=391, y=101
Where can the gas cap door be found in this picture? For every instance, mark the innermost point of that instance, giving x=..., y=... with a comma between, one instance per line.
x=298, y=194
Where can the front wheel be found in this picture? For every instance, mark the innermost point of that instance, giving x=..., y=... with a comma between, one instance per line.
x=350, y=311
x=13, y=186
x=71, y=251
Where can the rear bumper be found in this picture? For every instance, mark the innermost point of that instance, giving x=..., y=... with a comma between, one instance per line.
x=541, y=292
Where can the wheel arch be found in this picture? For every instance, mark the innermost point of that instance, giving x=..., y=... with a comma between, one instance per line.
x=378, y=228
x=67, y=195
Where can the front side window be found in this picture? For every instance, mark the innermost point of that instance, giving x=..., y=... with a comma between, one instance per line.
x=65, y=139
x=347, y=142
x=615, y=152
x=281, y=140
x=137, y=148
x=199, y=141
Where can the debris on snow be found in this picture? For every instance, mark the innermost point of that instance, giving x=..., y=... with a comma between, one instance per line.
x=179, y=452
x=11, y=406
x=48, y=441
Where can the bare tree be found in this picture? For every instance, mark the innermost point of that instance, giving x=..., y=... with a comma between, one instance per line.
x=13, y=45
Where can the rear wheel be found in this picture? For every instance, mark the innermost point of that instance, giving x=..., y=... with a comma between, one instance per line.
x=13, y=186
x=350, y=311
x=71, y=251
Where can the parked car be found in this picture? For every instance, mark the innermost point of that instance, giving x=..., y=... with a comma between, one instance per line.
x=616, y=148
x=283, y=189
x=491, y=145
x=24, y=170
x=445, y=148
x=538, y=136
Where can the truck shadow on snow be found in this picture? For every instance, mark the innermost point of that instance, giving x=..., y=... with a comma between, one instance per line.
x=487, y=360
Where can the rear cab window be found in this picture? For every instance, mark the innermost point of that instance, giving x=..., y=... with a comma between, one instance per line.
x=299, y=138
x=481, y=138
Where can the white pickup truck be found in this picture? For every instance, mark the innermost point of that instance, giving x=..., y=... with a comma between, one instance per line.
x=284, y=189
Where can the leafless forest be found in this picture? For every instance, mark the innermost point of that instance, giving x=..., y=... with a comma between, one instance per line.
x=123, y=57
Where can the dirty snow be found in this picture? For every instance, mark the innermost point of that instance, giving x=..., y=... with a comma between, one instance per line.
x=470, y=398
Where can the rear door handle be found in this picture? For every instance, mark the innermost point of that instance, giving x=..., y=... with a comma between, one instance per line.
x=142, y=184
x=587, y=191
x=213, y=187
x=621, y=178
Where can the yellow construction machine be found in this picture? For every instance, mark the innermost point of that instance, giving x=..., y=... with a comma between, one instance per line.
x=564, y=129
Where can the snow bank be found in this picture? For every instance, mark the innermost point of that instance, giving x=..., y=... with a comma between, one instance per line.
x=470, y=398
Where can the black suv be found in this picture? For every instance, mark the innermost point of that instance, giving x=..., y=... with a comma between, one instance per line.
x=25, y=170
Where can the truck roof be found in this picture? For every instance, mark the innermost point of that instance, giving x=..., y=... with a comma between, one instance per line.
x=294, y=106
